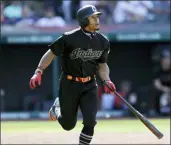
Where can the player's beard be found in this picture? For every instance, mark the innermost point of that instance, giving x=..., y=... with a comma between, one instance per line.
x=97, y=29
x=94, y=27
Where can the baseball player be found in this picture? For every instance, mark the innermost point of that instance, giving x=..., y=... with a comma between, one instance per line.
x=84, y=53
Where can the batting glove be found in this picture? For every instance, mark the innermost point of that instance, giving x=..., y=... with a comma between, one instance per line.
x=111, y=85
x=36, y=79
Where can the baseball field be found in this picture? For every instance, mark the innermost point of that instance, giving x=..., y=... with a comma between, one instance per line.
x=116, y=131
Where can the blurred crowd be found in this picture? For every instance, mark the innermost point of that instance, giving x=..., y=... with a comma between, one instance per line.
x=58, y=13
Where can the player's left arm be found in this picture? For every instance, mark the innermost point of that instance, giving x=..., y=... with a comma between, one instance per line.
x=104, y=70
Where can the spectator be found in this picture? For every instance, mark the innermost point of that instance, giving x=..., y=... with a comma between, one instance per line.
x=75, y=5
x=107, y=101
x=50, y=20
x=13, y=11
x=120, y=13
x=2, y=15
x=161, y=10
x=162, y=83
x=165, y=100
x=147, y=7
x=103, y=6
x=125, y=90
x=83, y=3
x=58, y=6
x=66, y=8
x=28, y=17
x=131, y=11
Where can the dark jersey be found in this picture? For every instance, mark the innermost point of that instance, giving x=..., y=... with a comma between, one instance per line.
x=81, y=52
x=164, y=76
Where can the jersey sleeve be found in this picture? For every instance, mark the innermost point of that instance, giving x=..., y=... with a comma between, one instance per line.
x=57, y=47
x=103, y=58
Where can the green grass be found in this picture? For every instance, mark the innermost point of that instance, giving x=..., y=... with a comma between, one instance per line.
x=123, y=125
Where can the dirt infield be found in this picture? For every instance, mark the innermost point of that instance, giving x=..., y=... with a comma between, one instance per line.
x=72, y=138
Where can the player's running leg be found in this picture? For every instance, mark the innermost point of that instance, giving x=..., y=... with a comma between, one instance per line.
x=55, y=110
x=65, y=108
x=88, y=105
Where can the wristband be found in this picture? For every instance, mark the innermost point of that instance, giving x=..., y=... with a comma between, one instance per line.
x=38, y=70
x=107, y=80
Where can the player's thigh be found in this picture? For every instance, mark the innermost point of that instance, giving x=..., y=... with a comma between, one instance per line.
x=88, y=106
x=68, y=98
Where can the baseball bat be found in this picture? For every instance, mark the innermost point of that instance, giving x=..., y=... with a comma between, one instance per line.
x=143, y=119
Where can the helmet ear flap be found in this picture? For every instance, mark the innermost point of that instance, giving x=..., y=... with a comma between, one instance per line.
x=84, y=22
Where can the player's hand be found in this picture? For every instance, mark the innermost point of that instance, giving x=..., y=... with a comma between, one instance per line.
x=111, y=85
x=36, y=79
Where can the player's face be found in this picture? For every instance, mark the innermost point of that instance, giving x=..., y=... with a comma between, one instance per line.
x=94, y=23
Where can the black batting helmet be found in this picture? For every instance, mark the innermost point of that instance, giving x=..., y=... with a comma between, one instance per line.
x=85, y=12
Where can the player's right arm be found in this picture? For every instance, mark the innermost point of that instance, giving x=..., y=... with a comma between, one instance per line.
x=46, y=60
x=56, y=48
x=43, y=64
